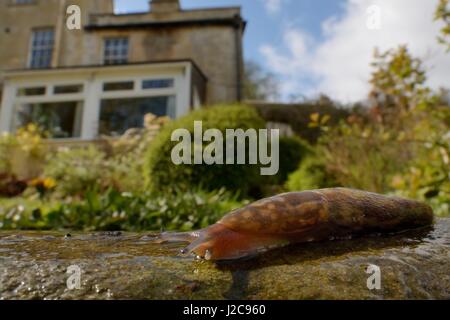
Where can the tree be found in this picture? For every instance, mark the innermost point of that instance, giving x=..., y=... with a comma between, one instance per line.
x=402, y=144
x=443, y=14
x=398, y=83
x=259, y=84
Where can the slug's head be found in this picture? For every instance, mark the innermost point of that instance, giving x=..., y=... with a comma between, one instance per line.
x=219, y=243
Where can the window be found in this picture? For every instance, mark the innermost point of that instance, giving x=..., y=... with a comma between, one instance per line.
x=157, y=84
x=68, y=89
x=60, y=119
x=118, y=86
x=33, y=91
x=42, y=48
x=119, y=115
x=23, y=1
x=115, y=51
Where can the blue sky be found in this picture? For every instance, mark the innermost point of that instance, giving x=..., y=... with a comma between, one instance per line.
x=325, y=46
x=265, y=24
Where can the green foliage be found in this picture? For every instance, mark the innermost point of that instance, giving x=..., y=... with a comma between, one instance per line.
x=117, y=164
x=76, y=170
x=25, y=213
x=112, y=210
x=22, y=154
x=298, y=115
x=363, y=157
x=442, y=14
x=398, y=83
x=162, y=174
x=292, y=151
x=7, y=144
x=127, y=155
x=311, y=174
x=427, y=176
x=258, y=84
x=400, y=145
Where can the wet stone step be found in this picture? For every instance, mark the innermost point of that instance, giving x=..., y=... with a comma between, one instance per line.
x=118, y=265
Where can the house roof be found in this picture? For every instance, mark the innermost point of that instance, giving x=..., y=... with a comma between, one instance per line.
x=214, y=16
x=115, y=66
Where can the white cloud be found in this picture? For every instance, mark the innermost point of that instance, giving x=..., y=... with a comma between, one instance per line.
x=340, y=64
x=273, y=6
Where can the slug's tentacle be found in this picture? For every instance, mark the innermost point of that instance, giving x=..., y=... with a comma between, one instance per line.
x=198, y=245
x=178, y=236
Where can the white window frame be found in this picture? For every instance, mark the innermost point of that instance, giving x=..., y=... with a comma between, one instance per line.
x=92, y=80
x=137, y=91
x=51, y=97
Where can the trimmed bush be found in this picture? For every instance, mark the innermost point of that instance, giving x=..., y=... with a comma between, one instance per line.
x=162, y=174
x=311, y=174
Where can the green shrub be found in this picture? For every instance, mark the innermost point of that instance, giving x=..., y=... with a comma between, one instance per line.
x=76, y=170
x=117, y=163
x=162, y=174
x=23, y=154
x=127, y=155
x=312, y=174
x=427, y=176
x=24, y=213
x=364, y=156
x=292, y=151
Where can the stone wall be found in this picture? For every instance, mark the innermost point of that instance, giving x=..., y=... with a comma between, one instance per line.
x=18, y=21
x=212, y=48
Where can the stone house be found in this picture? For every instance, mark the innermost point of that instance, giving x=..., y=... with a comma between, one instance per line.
x=103, y=78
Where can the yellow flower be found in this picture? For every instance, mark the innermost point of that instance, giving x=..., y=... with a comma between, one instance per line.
x=49, y=183
x=46, y=183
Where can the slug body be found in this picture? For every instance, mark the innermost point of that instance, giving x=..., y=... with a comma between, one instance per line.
x=298, y=217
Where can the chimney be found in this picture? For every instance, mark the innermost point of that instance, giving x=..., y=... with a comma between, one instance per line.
x=164, y=6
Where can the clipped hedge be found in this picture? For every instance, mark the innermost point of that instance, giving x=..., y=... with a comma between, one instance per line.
x=163, y=175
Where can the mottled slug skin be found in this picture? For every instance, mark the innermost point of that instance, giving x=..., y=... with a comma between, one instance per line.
x=306, y=216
